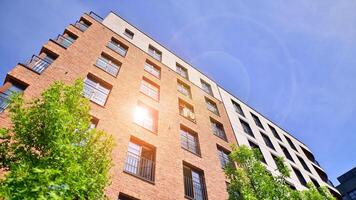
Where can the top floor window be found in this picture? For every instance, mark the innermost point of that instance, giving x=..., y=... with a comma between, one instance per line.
x=152, y=69
x=237, y=108
x=95, y=90
x=257, y=121
x=117, y=46
x=275, y=133
x=155, y=53
x=183, y=72
x=206, y=87
x=146, y=117
x=246, y=127
x=211, y=106
x=129, y=33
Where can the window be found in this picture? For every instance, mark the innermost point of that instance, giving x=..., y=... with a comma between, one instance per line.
x=96, y=90
x=246, y=127
x=267, y=140
x=140, y=160
x=117, y=46
x=194, y=183
x=299, y=176
x=189, y=140
x=291, y=144
x=206, y=87
x=237, y=108
x=6, y=95
x=305, y=166
x=286, y=153
x=152, y=69
x=123, y=196
x=108, y=64
x=66, y=39
x=315, y=183
x=224, y=157
x=93, y=122
x=186, y=110
x=150, y=89
x=255, y=146
x=82, y=24
x=129, y=33
x=211, y=106
x=274, y=132
x=257, y=120
x=275, y=159
x=146, y=117
x=352, y=194
x=183, y=72
x=218, y=129
x=39, y=63
x=184, y=89
x=322, y=174
x=154, y=53
x=309, y=155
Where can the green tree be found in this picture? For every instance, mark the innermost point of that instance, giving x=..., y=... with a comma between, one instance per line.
x=50, y=152
x=250, y=180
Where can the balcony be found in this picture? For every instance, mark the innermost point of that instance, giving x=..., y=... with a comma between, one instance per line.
x=95, y=92
x=194, y=189
x=64, y=41
x=107, y=66
x=95, y=16
x=183, y=90
x=187, y=113
x=139, y=166
x=117, y=48
x=4, y=101
x=38, y=64
x=81, y=26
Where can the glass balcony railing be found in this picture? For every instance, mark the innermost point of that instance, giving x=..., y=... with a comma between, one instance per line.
x=38, y=64
x=117, y=48
x=81, y=26
x=107, y=66
x=64, y=41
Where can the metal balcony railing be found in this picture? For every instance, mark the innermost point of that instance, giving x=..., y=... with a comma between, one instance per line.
x=94, y=94
x=194, y=189
x=95, y=16
x=117, y=48
x=64, y=41
x=187, y=113
x=4, y=101
x=140, y=166
x=107, y=66
x=38, y=64
x=81, y=26
x=219, y=132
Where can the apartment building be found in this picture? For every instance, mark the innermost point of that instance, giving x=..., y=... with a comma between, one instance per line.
x=172, y=124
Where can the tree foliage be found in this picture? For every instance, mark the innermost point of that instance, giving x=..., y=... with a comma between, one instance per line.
x=50, y=152
x=250, y=180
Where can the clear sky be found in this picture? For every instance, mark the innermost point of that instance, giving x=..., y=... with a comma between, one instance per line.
x=293, y=61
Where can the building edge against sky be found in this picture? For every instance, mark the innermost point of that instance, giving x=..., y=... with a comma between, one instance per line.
x=249, y=127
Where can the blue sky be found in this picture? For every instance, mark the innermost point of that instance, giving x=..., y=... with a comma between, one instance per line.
x=293, y=61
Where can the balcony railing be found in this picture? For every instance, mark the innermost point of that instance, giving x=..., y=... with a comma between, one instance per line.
x=185, y=91
x=38, y=64
x=152, y=70
x=4, y=101
x=64, y=41
x=140, y=166
x=105, y=65
x=187, y=113
x=219, y=132
x=149, y=91
x=117, y=48
x=95, y=16
x=95, y=94
x=81, y=26
x=194, y=189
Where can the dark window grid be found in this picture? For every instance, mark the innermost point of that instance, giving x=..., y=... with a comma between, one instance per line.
x=189, y=142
